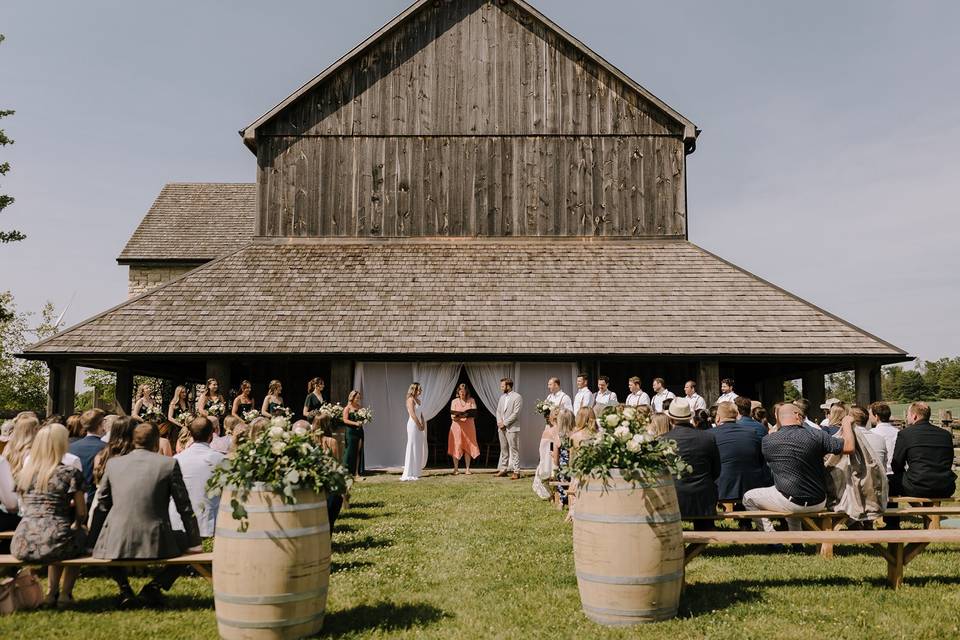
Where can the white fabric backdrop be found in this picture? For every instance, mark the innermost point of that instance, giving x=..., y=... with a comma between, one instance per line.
x=384, y=387
x=486, y=376
x=438, y=380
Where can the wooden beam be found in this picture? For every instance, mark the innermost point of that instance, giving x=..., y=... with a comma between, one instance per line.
x=771, y=391
x=814, y=390
x=341, y=380
x=124, y=389
x=867, y=382
x=708, y=380
x=220, y=369
x=64, y=398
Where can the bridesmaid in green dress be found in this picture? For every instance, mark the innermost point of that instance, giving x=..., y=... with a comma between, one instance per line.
x=273, y=400
x=314, y=398
x=244, y=400
x=354, y=456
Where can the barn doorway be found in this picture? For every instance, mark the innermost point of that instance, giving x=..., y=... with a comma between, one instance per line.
x=438, y=432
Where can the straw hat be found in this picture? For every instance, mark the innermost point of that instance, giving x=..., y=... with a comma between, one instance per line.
x=679, y=409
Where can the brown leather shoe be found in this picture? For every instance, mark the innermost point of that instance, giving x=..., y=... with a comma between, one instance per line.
x=500, y=474
x=515, y=476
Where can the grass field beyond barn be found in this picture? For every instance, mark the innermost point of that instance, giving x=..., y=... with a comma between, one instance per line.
x=479, y=557
x=936, y=408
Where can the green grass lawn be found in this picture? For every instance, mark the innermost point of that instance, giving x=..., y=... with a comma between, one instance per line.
x=478, y=557
x=899, y=410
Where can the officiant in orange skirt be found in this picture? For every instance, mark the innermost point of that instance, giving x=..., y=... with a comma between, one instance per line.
x=462, y=441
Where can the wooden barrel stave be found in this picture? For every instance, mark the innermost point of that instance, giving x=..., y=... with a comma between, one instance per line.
x=628, y=551
x=271, y=581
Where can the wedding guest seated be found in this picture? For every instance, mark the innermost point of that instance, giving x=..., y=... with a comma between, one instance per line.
x=701, y=420
x=880, y=419
x=804, y=406
x=744, y=409
x=584, y=428
x=74, y=427
x=549, y=455
x=696, y=491
x=223, y=442
x=838, y=411
x=9, y=503
x=923, y=457
x=760, y=415
x=565, y=426
x=87, y=448
x=197, y=463
x=741, y=458
x=794, y=455
x=659, y=425
x=876, y=440
x=51, y=530
x=165, y=428
x=133, y=500
x=108, y=425
x=25, y=428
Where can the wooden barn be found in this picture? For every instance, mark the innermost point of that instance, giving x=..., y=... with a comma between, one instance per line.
x=470, y=192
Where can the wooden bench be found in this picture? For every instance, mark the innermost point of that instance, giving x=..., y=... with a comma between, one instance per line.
x=898, y=548
x=202, y=563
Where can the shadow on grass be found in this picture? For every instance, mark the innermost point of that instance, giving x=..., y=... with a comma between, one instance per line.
x=337, y=567
x=367, y=542
x=368, y=504
x=383, y=616
x=108, y=604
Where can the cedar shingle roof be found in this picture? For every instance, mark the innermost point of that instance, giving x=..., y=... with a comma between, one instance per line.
x=477, y=296
x=194, y=222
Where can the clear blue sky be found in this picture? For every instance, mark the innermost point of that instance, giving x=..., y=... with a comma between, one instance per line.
x=828, y=162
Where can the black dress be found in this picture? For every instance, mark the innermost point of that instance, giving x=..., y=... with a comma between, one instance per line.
x=244, y=407
x=312, y=403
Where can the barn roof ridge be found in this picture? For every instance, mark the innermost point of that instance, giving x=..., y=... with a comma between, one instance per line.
x=690, y=129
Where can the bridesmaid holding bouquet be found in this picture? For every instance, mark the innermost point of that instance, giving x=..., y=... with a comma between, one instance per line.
x=354, y=455
x=462, y=441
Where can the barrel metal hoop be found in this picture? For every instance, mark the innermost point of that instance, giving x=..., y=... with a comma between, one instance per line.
x=629, y=613
x=272, y=533
x=280, y=508
x=667, y=577
x=279, y=598
x=269, y=624
x=596, y=486
x=657, y=518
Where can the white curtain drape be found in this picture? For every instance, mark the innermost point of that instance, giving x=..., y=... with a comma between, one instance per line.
x=486, y=376
x=438, y=380
x=384, y=387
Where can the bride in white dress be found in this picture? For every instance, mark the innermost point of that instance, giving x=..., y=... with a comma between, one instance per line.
x=416, y=457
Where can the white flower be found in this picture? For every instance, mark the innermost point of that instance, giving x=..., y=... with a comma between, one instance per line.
x=629, y=413
x=640, y=438
x=612, y=420
x=293, y=476
x=622, y=433
x=299, y=431
x=276, y=432
x=625, y=423
x=633, y=446
x=277, y=447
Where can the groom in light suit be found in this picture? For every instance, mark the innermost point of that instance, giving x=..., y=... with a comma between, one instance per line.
x=508, y=428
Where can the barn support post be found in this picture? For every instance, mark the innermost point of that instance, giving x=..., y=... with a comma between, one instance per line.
x=124, y=389
x=867, y=382
x=61, y=388
x=220, y=369
x=341, y=380
x=708, y=380
x=771, y=391
x=815, y=391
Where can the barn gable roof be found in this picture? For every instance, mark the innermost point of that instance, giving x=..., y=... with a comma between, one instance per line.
x=483, y=297
x=193, y=223
x=690, y=130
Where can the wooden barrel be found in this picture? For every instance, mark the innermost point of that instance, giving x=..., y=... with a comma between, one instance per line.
x=270, y=581
x=628, y=551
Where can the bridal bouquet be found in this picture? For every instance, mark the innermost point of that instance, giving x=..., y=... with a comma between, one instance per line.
x=282, y=412
x=283, y=459
x=544, y=408
x=363, y=416
x=217, y=409
x=184, y=418
x=250, y=416
x=623, y=443
x=154, y=414
x=334, y=410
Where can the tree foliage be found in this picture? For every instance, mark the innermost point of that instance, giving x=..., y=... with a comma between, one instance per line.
x=929, y=380
x=842, y=386
x=791, y=391
x=23, y=383
x=6, y=200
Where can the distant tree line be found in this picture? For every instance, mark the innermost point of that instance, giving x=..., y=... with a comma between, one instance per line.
x=929, y=380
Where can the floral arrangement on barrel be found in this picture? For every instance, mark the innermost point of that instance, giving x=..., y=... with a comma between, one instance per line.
x=623, y=443
x=544, y=408
x=282, y=459
x=250, y=416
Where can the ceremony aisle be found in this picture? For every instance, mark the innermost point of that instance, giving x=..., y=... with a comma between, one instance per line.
x=481, y=557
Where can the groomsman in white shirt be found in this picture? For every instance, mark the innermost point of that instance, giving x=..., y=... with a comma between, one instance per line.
x=727, y=394
x=661, y=393
x=557, y=397
x=696, y=400
x=604, y=397
x=584, y=397
x=508, y=429
x=637, y=395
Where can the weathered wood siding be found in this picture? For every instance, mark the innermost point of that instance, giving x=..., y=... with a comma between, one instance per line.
x=468, y=186
x=471, y=118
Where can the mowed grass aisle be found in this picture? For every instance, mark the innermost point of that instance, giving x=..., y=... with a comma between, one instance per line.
x=480, y=557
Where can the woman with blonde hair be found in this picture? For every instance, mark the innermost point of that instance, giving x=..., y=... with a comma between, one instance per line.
x=50, y=530
x=838, y=412
x=273, y=401
x=415, y=457
x=209, y=398
x=353, y=458
x=144, y=401
x=25, y=428
x=323, y=435
x=179, y=404
x=659, y=425
x=462, y=437
x=549, y=453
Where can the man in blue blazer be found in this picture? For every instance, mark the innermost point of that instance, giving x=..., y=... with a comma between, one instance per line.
x=87, y=447
x=744, y=408
x=741, y=457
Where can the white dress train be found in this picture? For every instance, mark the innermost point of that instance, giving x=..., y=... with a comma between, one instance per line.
x=416, y=456
x=544, y=471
